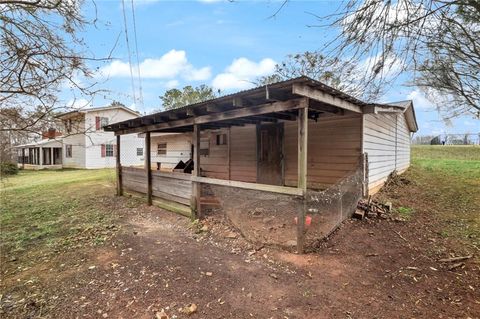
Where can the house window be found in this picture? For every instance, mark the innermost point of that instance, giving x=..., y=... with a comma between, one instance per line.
x=162, y=149
x=68, y=126
x=109, y=151
x=221, y=139
x=68, y=150
x=100, y=122
x=139, y=151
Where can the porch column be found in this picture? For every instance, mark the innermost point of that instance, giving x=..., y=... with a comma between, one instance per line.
x=195, y=199
x=23, y=157
x=40, y=150
x=302, y=174
x=148, y=168
x=51, y=156
x=119, y=169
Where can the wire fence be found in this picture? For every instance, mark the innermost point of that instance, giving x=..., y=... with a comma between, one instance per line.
x=272, y=218
x=448, y=139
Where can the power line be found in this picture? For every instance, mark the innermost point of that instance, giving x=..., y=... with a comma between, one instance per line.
x=136, y=54
x=129, y=52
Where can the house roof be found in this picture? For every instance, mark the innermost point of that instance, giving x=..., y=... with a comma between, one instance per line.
x=96, y=109
x=57, y=142
x=409, y=111
x=329, y=100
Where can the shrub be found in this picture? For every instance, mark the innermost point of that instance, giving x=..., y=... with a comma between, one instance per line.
x=8, y=168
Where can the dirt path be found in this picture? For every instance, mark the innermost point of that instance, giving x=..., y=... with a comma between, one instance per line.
x=368, y=269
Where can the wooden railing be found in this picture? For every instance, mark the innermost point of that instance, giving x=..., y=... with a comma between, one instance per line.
x=176, y=187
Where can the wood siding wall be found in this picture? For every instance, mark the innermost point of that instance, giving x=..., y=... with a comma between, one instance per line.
x=387, y=142
x=243, y=152
x=215, y=164
x=334, y=149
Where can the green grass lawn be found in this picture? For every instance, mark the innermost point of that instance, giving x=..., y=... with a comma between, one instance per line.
x=58, y=209
x=449, y=179
x=460, y=162
x=53, y=208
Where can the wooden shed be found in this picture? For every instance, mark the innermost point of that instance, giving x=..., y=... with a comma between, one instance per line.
x=286, y=138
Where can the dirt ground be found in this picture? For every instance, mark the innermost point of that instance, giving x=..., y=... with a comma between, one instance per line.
x=376, y=268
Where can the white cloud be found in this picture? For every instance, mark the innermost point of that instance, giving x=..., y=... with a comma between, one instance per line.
x=420, y=101
x=201, y=74
x=242, y=72
x=170, y=65
x=171, y=84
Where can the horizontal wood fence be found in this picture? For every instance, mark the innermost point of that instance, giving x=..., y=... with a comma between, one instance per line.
x=175, y=187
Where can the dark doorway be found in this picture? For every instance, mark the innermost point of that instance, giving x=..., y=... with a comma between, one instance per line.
x=270, y=154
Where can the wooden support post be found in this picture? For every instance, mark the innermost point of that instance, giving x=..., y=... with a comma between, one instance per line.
x=119, y=169
x=302, y=175
x=148, y=168
x=51, y=156
x=365, y=174
x=195, y=200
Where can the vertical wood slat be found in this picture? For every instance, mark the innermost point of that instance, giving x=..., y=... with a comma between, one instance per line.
x=195, y=200
x=302, y=174
x=148, y=168
x=119, y=169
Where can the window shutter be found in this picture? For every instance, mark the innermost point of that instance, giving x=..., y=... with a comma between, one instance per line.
x=103, y=150
x=114, y=150
x=97, y=122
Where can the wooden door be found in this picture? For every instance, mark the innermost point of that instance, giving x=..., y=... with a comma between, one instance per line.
x=270, y=154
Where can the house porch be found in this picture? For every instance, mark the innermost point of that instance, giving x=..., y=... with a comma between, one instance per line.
x=43, y=155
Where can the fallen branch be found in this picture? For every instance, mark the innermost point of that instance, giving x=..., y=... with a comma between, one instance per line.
x=453, y=259
x=400, y=235
x=454, y=266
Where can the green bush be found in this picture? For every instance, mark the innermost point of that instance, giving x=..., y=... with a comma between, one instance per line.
x=8, y=168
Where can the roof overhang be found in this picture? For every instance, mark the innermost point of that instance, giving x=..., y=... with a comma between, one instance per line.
x=404, y=107
x=43, y=143
x=75, y=113
x=273, y=102
x=268, y=103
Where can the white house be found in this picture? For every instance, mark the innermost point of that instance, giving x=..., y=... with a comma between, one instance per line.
x=84, y=143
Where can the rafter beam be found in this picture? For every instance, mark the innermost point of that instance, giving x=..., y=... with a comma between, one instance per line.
x=226, y=115
x=214, y=108
x=274, y=95
x=146, y=120
x=306, y=91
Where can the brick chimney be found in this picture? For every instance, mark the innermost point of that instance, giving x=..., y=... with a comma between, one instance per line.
x=51, y=134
